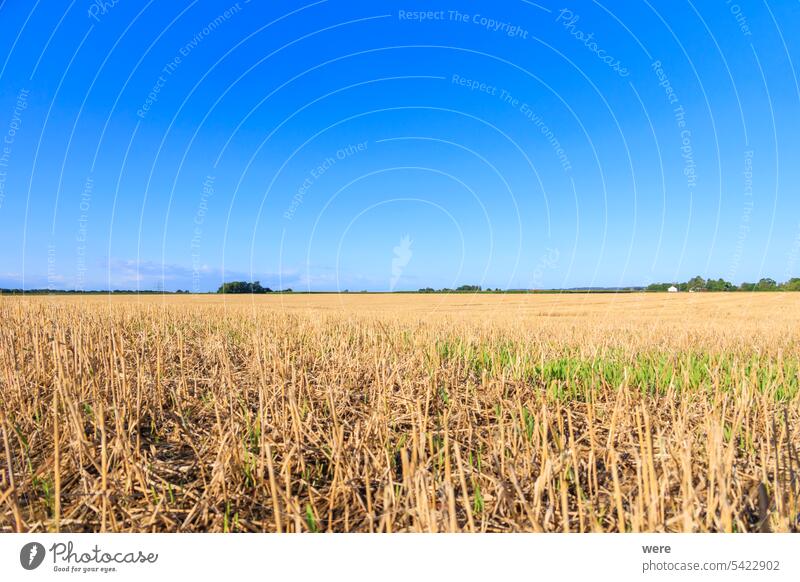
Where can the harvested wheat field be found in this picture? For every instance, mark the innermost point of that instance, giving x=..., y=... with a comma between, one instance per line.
x=391, y=413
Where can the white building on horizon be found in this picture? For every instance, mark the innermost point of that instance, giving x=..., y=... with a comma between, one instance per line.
x=672, y=289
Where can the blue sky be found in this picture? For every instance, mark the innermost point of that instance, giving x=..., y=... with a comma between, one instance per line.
x=340, y=145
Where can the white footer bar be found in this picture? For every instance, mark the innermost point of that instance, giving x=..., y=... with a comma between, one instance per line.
x=401, y=557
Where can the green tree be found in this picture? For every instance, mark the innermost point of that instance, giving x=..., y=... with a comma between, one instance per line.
x=719, y=285
x=696, y=283
x=658, y=286
x=766, y=284
x=792, y=284
x=234, y=287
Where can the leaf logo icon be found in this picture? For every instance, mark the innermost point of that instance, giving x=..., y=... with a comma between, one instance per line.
x=31, y=555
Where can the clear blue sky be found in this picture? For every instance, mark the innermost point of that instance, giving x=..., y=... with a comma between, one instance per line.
x=353, y=145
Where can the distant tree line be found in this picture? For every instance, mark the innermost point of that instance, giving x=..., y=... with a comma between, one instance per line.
x=231, y=287
x=255, y=287
x=461, y=289
x=88, y=292
x=700, y=284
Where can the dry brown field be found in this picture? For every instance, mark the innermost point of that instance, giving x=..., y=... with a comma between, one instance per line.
x=391, y=413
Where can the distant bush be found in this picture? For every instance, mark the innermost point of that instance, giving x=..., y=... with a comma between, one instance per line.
x=234, y=287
